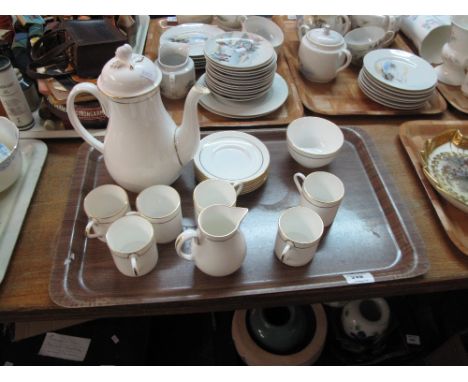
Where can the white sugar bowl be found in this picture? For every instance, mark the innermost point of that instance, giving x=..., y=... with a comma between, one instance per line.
x=323, y=54
x=314, y=142
x=11, y=160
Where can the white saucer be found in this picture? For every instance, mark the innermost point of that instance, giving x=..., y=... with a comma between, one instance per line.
x=233, y=156
x=273, y=100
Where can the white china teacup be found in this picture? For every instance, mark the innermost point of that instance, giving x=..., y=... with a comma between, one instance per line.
x=230, y=21
x=322, y=192
x=178, y=70
x=387, y=22
x=161, y=206
x=11, y=162
x=215, y=191
x=133, y=246
x=338, y=23
x=104, y=205
x=266, y=28
x=362, y=40
x=299, y=233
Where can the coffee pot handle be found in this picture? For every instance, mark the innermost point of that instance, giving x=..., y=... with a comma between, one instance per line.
x=181, y=239
x=85, y=87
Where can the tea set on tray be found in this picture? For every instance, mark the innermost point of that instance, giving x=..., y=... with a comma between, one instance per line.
x=144, y=152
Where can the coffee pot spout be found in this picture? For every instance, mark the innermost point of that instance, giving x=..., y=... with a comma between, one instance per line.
x=187, y=135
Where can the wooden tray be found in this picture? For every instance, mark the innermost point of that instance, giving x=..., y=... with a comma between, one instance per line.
x=291, y=110
x=413, y=135
x=343, y=95
x=368, y=235
x=454, y=96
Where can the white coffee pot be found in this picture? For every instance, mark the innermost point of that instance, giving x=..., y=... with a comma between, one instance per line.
x=143, y=146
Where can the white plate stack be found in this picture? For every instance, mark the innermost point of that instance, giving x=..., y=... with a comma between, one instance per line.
x=397, y=79
x=240, y=66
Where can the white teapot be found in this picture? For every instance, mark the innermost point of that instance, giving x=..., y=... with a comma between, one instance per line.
x=322, y=54
x=142, y=146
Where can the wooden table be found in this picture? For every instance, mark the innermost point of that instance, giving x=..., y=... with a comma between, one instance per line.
x=24, y=294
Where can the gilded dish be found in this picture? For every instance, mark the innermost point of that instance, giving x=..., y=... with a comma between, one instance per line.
x=445, y=164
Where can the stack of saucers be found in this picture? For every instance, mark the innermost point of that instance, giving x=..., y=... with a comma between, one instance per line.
x=240, y=66
x=397, y=79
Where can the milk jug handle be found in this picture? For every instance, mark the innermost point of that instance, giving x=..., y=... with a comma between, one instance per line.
x=181, y=239
x=80, y=129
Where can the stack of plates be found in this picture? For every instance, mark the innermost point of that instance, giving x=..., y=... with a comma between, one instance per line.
x=397, y=79
x=233, y=156
x=240, y=66
x=195, y=35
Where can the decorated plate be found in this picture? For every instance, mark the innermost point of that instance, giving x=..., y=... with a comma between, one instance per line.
x=240, y=50
x=445, y=164
x=400, y=69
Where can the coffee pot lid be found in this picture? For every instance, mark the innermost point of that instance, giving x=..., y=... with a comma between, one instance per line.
x=128, y=74
x=325, y=37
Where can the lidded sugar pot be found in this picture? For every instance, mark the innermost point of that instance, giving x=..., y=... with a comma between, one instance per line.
x=322, y=54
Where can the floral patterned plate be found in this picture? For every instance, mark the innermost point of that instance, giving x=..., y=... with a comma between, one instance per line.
x=239, y=50
x=194, y=34
x=445, y=164
x=400, y=70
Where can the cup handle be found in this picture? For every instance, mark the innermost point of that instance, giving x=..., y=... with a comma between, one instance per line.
x=349, y=57
x=134, y=264
x=387, y=38
x=163, y=24
x=386, y=24
x=286, y=249
x=181, y=239
x=346, y=23
x=238, y=186
x=88, y=229
x=242, y=20
x=297, y=177
x=303, y=29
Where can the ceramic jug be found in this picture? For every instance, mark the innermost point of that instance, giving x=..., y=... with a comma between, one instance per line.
x=218, y=246
x=143, y=146
x=178, y=70
x=322, y=54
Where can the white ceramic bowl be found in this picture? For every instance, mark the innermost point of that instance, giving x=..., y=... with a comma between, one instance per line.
x=10, y=167
x=313, y=141
x=266, y=28
x=309, y=162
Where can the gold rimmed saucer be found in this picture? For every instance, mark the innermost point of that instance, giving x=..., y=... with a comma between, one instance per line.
x=445, y=165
